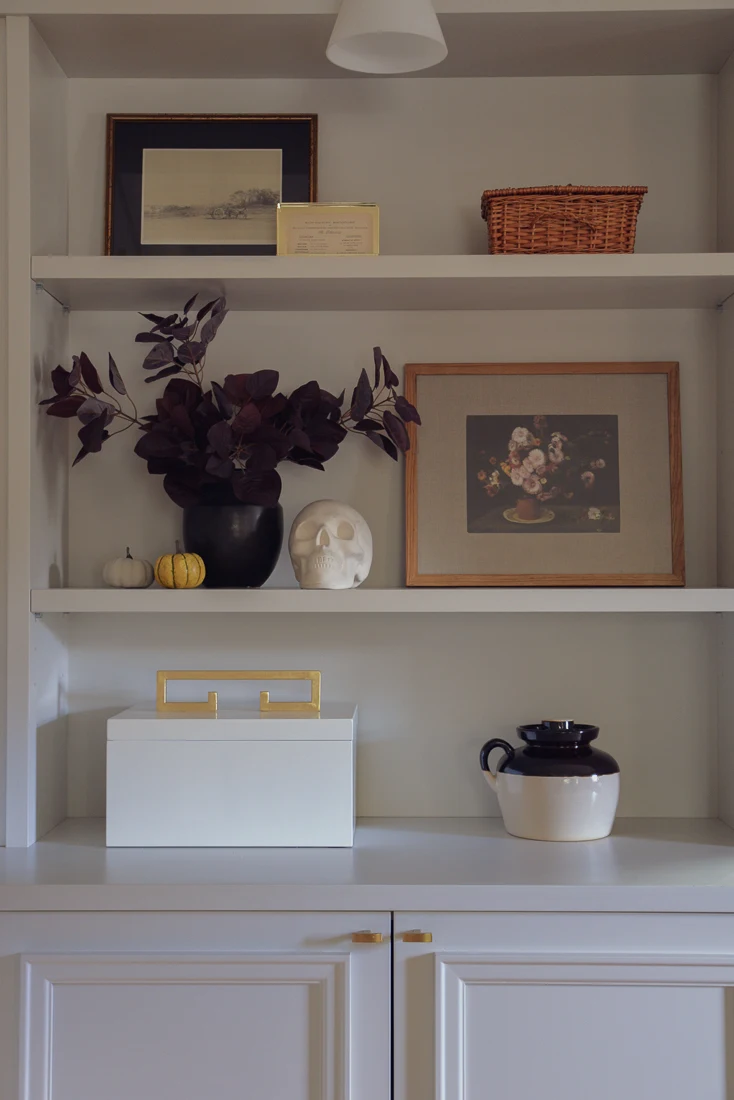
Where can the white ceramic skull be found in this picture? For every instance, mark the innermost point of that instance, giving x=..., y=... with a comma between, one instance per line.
x=330, y=546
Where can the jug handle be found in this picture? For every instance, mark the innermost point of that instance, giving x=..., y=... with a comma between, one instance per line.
x=495, y=743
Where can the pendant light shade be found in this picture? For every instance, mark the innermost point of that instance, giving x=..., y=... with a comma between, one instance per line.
x=386, y=36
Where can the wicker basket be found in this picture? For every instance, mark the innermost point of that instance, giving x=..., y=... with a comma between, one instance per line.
x=562, y=219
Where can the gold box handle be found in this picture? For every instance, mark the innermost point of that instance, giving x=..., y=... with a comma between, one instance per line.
x=415, y=936
x=366, y=937
x=313, y=706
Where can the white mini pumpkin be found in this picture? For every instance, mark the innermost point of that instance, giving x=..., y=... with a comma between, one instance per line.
x=128, y=572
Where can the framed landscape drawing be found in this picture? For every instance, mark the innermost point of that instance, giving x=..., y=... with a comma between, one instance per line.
x=544, y=474
x=204, y=184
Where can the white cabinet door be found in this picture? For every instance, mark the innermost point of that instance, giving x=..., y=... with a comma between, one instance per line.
x=308, y=1022
x=482, y=1014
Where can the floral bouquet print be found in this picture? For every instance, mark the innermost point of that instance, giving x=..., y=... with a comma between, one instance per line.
x=558, y=472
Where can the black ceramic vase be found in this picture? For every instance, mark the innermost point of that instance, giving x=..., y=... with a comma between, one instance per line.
x=240, y=543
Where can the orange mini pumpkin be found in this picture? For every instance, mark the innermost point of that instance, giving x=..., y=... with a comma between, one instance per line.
x=180, y=570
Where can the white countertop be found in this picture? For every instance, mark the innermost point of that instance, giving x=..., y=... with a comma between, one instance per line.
x=428, y=864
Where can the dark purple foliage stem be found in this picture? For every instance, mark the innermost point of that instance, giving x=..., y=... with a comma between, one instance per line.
x=224, y=444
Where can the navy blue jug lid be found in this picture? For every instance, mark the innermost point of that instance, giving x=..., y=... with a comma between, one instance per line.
x=558, y=732
x=554, y=748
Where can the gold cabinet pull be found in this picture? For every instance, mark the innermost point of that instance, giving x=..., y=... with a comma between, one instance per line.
x=415, y=936
x=366, y=937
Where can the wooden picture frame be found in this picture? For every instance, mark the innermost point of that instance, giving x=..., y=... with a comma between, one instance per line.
x=668, y=435
x=131, y=138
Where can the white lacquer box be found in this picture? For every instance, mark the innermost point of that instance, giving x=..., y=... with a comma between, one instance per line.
x=239, y=778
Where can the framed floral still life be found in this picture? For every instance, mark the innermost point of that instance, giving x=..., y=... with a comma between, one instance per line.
x=546, y=474
x=193, y=185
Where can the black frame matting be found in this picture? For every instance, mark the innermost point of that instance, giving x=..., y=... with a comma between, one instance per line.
x=129, y=135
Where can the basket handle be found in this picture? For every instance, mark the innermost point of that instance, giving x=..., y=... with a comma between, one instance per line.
x=541, y=214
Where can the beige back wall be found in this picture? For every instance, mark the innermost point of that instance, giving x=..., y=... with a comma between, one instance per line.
x=426, y=149
x=113, y=502
x=3, y=413
x=430, y=688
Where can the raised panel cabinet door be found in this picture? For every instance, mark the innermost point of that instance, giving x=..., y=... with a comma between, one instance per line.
x=474, y=1021
x=307, y=1026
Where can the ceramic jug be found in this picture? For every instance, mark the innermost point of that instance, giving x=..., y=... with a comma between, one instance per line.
x=557, y=786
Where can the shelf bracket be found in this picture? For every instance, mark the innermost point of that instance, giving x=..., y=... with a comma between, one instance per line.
x=41, y=289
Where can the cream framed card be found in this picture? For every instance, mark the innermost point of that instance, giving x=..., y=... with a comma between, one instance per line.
x=328, y=229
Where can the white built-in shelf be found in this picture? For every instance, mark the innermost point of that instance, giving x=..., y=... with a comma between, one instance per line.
x=287, y=38
x=641, y=281
x=671, y=865
x=380, y=600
